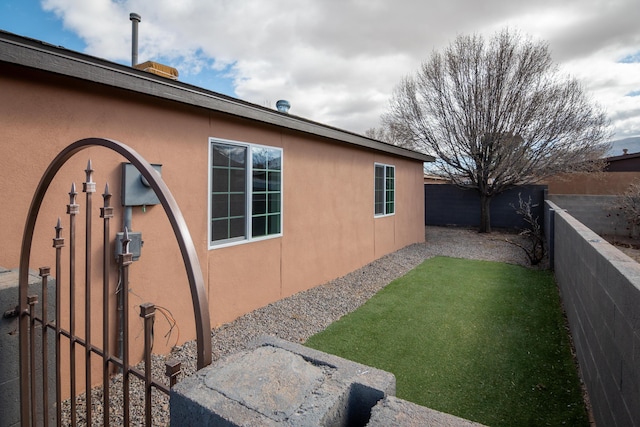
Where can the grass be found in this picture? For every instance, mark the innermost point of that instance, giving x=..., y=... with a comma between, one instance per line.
x=481, y=340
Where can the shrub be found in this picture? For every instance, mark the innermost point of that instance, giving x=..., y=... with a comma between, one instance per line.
x=628, y=206
x=534, y=248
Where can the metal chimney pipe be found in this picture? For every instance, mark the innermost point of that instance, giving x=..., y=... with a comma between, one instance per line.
x=135, y=19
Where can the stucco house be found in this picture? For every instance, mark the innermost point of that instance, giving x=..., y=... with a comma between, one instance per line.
x=275, y=204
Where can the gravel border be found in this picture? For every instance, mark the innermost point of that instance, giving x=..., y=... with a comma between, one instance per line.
x=306, y=313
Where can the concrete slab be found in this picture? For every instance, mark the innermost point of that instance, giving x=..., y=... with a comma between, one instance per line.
x=280, y=383
x=268, y=380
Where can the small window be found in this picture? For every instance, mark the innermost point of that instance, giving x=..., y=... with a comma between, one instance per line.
x=384, y=184
x=246, y=192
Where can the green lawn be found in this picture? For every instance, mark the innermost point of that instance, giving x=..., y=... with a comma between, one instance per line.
x=481, y=340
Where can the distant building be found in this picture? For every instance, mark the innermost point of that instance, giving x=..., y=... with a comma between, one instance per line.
x=435, y=179
x=615, y=179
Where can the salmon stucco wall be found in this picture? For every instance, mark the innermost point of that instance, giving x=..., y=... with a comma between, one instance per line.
x=329, y=225
x=329, y=228
x=593, y=183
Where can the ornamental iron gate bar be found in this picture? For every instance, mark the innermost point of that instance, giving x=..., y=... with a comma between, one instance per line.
x=32, y=392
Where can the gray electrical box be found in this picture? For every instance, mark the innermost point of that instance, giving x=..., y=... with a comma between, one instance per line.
x=135, y=245
x=136, y=191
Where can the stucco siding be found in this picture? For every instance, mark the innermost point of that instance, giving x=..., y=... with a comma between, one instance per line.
x=329, y=227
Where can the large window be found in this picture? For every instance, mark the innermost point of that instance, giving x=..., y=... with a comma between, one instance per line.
x=384, y=198
x=246, y=192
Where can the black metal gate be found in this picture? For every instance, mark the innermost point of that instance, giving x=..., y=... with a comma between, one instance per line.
x=34, y=388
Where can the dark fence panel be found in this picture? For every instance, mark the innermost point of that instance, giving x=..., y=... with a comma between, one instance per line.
x=446, y=204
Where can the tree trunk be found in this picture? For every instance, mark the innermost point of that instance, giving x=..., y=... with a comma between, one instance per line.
x=485, y=214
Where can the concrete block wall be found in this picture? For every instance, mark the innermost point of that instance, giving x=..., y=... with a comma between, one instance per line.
x=594, y=211
x=600, y=289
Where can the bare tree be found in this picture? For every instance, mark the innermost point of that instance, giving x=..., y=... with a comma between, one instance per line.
x=378, y=133
x=384, y=134
x=628, y=206
x=497, y=114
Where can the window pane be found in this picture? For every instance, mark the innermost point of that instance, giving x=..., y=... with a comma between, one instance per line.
x=275, y=159
x=237, y=156
x=220, y=180
x=390, y=208
x=379, y=208
x=274, y=224
x=219, y=205
x=259, y=204
x=238, y=180
x=259, y=226
x=236, y=227
x=390, y=190
x=274, y=181
x=379, y=195
x=379, y=190
x=379, y=179
x=228, y=198
x=237, y=205
x=220, y=155
x=390, y=178
x=274, y=202
x=220, y=229
x=229, y=155
x=390, y=171
x=260, y=156
x=379, y=174
x=266, y=191
x=259, y=181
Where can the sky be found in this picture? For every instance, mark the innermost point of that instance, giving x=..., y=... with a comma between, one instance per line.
x=338, y=61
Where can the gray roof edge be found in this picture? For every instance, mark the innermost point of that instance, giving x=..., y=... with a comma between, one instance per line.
x=622, y=157
x=43, y=56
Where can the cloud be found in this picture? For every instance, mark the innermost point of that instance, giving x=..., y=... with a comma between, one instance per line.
x=594, y=26
x=337, y=61
x=94, y=22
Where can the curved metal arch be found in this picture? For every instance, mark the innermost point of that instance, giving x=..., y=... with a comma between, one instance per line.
x=187, y=248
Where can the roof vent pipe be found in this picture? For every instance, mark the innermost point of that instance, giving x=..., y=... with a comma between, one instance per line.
x=283, y=106
x=135, y=19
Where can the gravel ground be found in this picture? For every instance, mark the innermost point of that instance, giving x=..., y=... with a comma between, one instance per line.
x=302, y=315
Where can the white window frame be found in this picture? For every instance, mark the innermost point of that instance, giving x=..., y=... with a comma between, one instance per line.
x=249, y=194
x=384, y=190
